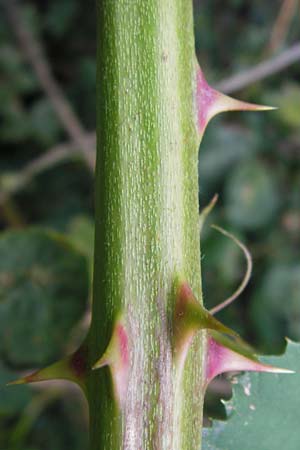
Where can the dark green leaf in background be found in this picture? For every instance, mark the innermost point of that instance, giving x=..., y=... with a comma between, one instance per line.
x=43, y=293
x=223, y=147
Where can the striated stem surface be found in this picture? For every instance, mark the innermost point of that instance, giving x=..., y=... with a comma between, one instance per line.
x=147, y=228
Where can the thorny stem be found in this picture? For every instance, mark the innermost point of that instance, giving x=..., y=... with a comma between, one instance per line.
x=146, y=225
x=152, y=344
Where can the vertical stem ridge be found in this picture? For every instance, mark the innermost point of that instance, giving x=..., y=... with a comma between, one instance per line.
x=146, y=222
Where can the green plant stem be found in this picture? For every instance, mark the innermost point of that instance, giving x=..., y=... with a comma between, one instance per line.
x=147, y=224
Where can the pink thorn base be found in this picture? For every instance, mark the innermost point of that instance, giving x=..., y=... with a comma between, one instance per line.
x=210, y=102
x=117, y=359
x=221, y=359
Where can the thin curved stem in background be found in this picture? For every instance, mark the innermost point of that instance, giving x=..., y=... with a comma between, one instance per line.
x=54, y=156
x=247, y=275
x=282, y=24
x=261, y=71
x=207, y=210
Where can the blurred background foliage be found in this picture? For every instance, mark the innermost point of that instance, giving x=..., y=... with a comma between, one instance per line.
x=46, y=197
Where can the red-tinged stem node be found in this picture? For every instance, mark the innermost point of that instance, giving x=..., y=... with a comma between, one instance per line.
x=211, y=102
x=117, y=358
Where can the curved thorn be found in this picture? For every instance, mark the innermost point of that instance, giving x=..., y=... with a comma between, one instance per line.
x=247, y=275
x=207, y=210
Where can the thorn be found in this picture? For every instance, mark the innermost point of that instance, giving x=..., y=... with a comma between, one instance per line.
x=189, y=318
x=210, y=102
x=116, y=357
x=190, y=314
x=19, y=381
x=72, y=368
x=207, y=210
x=247, y=275
x=232, y=357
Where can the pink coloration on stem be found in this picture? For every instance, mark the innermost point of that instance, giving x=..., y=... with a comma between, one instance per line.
x=120, y=367
x=206, y=98
x=181, y=353
x=221, y=359
x=123, y=344
x=210, y=102
x=116, y=357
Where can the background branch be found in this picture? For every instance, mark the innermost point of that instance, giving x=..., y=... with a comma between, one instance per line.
x=33, y=51
x=82, y=143
x=261, y=71
x=12, y=183
x=282, y=24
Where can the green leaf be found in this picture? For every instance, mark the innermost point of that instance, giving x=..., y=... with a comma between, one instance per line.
x=264, y=410
x=43, y=293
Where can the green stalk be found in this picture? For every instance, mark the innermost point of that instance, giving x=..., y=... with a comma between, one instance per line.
x=156, y=345
x=147, y=223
